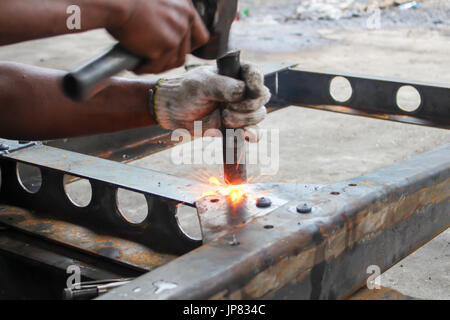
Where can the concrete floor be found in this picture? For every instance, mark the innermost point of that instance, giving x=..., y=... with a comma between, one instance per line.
x=316, y=146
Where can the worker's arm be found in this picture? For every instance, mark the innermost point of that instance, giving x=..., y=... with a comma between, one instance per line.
x=33, y=107
x=161, y=30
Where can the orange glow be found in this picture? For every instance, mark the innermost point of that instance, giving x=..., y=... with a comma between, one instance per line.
x=234, y=194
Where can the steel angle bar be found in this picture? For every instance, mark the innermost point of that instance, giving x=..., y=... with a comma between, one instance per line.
x=117, y=174
x=159, y=229
x=370, y=96
x=372, y=220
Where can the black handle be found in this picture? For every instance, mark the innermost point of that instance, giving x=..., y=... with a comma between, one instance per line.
x=235, y=170
x=89, y=79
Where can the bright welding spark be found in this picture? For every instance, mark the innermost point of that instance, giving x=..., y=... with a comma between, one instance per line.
x=236, y=194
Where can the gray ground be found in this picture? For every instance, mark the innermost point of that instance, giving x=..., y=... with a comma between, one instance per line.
x=316, y=146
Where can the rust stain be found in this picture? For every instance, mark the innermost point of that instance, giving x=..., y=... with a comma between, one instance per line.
x=128, y=252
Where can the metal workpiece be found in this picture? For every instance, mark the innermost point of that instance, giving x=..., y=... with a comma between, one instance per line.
x=376, y=219
x=369, y=96
x=101, y=170
x=162, y=193
x=219, y=217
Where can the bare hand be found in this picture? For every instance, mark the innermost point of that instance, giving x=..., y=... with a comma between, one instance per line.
x=163, y=31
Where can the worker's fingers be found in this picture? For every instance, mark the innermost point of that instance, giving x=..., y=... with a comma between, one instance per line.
x=222, y=88
x=249, y=105
x=252, y=134
x=211, y=121
x=164, y=63
x=208, y=122
x=254, y=79
x=200, y=34
x=233, y=119
x=185, y=48
x=179, y=59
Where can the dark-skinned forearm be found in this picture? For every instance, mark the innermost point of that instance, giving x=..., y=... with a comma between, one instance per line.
x=33, y=107
x=22, y=20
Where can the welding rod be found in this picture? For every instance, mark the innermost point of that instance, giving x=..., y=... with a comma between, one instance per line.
x=234, y=170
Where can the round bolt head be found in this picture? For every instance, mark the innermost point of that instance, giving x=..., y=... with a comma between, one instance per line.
x=263, y=202
x=304, y=208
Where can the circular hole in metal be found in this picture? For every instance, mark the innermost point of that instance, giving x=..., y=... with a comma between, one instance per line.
x=29, y=177
x=408, y=98
x=79, y=191
x=268, y=226
x=334, y=193
x=341, y=89
x=132, y=205
x=352, y=185
x=188, y=221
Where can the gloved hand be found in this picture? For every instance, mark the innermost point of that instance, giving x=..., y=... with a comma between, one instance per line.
x=195, y=96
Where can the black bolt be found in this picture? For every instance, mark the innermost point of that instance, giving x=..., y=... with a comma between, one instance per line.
x=304, y=208
x=3, y=147
x=263, y=202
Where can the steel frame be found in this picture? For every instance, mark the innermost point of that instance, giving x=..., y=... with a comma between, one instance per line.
x=375, y=219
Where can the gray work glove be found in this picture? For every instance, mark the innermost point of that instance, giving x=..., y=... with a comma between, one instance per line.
x=195, y=96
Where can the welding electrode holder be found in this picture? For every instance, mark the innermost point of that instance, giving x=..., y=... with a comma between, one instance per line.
x=235, y=172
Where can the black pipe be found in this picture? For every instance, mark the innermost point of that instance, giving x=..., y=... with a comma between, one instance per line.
x=92, y=77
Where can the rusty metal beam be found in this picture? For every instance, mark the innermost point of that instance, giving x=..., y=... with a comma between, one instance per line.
x=376, y=219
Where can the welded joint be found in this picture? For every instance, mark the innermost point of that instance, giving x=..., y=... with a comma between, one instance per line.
x=220, y=218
